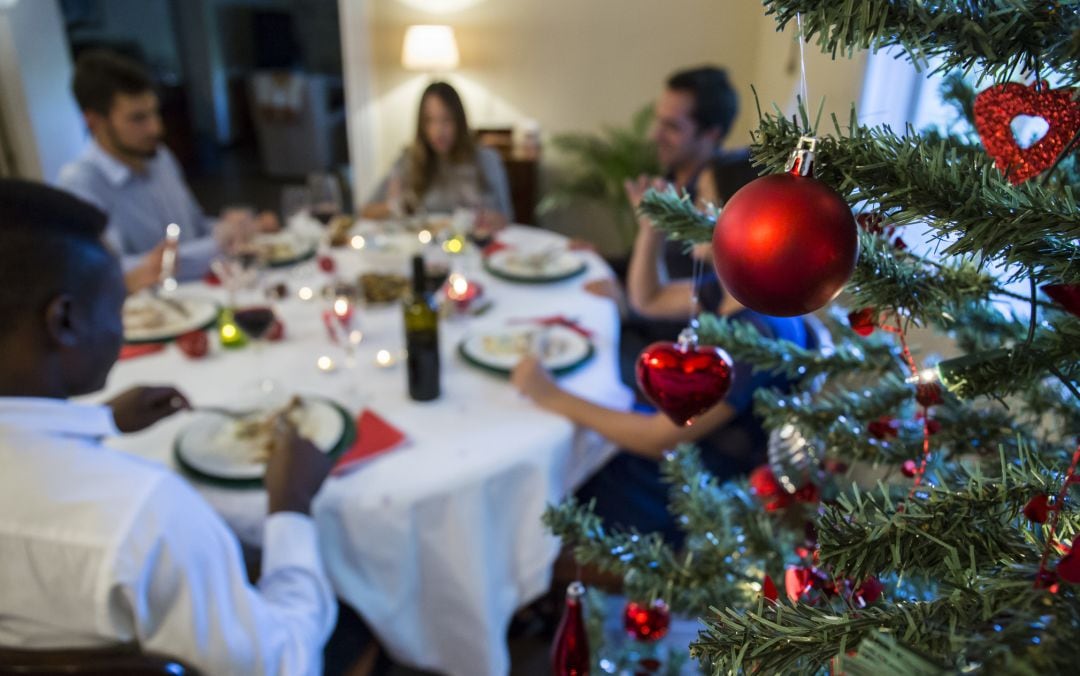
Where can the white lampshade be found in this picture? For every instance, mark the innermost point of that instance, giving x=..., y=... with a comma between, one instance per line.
x=429, y=48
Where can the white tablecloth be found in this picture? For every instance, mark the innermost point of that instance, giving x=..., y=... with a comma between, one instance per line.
x=435, y=544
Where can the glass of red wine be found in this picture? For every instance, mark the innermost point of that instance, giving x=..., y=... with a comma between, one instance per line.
x=254, y=315
x=324, y=191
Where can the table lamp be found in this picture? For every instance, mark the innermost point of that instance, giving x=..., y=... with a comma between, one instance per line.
x=430, y=48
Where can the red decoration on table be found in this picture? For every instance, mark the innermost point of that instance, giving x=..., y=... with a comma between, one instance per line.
x=785, y=245
x=211, y=279
x=1038, y=508
x=556, y=320
x=684, y=379
x=493, y=247
x=327, y=264
x=883, y=428
x=1065, y=295
x=647, y=622
x=570, y=649
x=132, y=351
x=769, y=591
x=864, y=321
x=928, y=394
x=276, y=332
x=374, y=436
x=996, y=108
x=194, y=344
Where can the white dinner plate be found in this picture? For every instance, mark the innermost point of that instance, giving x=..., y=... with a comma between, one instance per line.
x=208, y=445
x=535, y=266
x=562, y=348
x=149, y=319
x=285, y=247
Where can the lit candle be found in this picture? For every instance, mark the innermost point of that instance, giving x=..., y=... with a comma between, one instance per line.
x=305, y=293
x=384, y=359
x=424, y=236
x=461, y=291
x=358, y=242
x=230, y=334
x=325, y=364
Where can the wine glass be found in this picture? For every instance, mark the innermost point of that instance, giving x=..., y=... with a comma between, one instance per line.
x=254, y=315
x=324, y=193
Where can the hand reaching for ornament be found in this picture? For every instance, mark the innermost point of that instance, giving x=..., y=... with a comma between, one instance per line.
x=532, y=379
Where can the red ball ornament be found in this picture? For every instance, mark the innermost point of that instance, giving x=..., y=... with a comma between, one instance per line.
x=909, y=468
x=194, y=344
x=928, y=394
x=327, y=264
x=1068, y=568
x=883, y=428
x=647, y=622
x=1038, y=508
x=785, y=244
x=864, y=321
x=996, y=108
x=1066, y=295
x=684, y=379
x=869, y=591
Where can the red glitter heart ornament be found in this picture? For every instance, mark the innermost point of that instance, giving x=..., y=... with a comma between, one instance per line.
x=684, y=380
x=998, y=106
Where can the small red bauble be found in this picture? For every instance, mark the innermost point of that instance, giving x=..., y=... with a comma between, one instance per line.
x=1068, y=568
x=647, y=622
x=785, y=245
x=683, y=380
x=1038, y=508
x=864, y=321
x=869, y=591
x=883, y=428
x=326, y=264
x=909, y=468
x=1066, y=295
x=997, y=107
x=928, y=394
x=194, y=344
x=769, y=591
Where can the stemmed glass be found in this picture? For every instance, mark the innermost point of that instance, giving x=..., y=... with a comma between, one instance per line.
x=324, y=192
x=254, y=315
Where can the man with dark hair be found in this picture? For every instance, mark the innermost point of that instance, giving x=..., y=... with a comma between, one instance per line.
x=130, y=175
x=99, y=547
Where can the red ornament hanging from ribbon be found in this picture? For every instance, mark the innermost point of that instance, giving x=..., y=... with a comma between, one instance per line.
x=997, y=107
x=785, y=244
x=1065, y=295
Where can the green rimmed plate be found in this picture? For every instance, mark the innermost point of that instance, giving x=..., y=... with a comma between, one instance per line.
x=498, y=351
x=206, y=450
x=148, y=319
x=517, y=266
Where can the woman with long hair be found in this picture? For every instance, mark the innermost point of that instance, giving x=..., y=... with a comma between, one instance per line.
x=444, y=169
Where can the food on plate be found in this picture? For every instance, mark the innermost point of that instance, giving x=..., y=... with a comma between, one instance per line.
x=540, y=342
x=339, y=228
x=383, y=288
x=148, y=313
x=256, y=432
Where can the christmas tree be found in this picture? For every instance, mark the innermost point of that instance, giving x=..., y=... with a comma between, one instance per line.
x=959, y=556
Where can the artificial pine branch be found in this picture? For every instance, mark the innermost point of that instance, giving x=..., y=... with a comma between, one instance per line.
x=676, y=215
x=1002, y=38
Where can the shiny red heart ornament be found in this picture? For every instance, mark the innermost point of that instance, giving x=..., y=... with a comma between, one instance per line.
x=998, y=106
x=1066, y=295
x=684, y=381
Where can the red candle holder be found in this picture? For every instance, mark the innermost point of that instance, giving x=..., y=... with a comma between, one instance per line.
x=460, y=292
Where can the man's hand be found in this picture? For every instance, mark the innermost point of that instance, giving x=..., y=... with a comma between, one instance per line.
x=140, y=407
x=234, y=229
x=532, y=379
x=295, y=471
x=267, y=221
x=636, y=189
x=148, y=271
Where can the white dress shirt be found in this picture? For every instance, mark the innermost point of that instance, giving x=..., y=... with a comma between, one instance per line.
x=99, y=547
x=141, y=204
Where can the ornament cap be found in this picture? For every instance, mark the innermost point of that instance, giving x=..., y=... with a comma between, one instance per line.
x=688, y=337
x=574, y=591
x=801, y=161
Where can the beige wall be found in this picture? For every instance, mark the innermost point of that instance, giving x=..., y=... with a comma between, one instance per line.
x=576, y=65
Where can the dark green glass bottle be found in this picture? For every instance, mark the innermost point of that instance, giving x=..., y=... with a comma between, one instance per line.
x=421, y=338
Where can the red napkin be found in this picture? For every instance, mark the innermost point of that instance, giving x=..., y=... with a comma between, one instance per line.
x=132, y=351
x=494, y=246
x=374, y=436
x=557, y=320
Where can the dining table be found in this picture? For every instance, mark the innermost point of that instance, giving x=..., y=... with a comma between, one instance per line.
x=438, y=541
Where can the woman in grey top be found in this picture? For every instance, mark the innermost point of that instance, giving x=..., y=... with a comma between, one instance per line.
x=444, y=169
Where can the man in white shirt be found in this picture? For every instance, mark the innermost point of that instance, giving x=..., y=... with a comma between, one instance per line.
x=98, y=547
x=129, y=174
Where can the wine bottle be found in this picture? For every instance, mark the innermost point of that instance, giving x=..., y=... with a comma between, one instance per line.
x=421, y=338
x=570, y=649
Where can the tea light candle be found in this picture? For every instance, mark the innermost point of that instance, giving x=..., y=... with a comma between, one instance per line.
x=305, y=293
x=384, y=359
x=230, y=334
x=325, y=364
x=461, y=291
x=358, y=242
x=424, y=236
